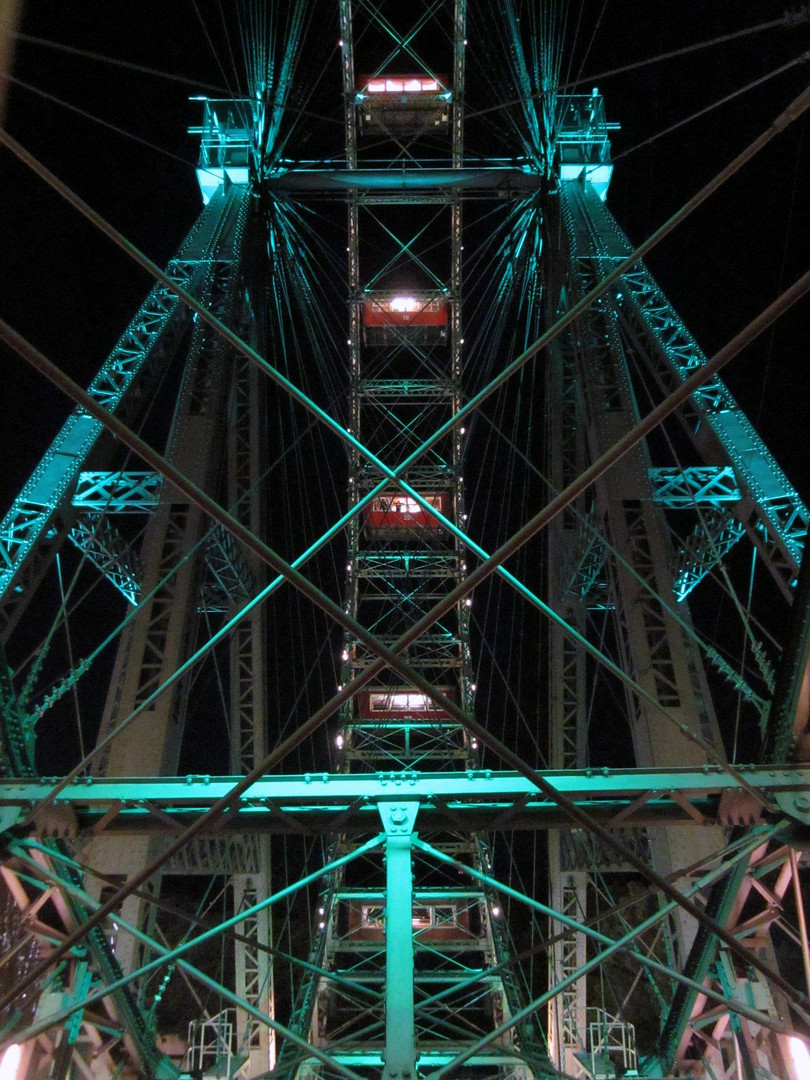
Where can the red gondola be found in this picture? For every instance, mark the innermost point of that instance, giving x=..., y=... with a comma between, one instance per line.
x=400, y=515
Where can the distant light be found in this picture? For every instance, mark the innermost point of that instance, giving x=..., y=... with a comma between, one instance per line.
x=800, y=1055
x=404, y=303
x=321, y=925
x=10, y=1062
x=339, y=742
x=495, y=911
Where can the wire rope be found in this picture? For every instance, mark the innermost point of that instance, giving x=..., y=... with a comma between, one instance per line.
x=803, y=58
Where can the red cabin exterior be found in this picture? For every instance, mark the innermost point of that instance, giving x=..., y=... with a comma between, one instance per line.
x=405, y=104
x=399, y=514
x=401, y=84
x=404, y=311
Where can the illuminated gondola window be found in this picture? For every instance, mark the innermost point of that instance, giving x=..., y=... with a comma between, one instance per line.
x=410, y=84
x=401, y=701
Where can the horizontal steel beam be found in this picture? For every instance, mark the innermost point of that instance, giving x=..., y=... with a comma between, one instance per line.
x=486, y=799
x=494, y=179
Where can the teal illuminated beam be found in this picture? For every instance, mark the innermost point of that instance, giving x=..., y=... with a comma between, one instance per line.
x=623, y=944
x=318, y=802
x=166, y=956
x=399, y=818
x=390, y=657
x=493, y=563
x=795, y=109
x=402, y=667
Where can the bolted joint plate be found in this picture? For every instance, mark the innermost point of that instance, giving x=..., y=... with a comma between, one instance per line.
x=398, y=815
x=795, y=804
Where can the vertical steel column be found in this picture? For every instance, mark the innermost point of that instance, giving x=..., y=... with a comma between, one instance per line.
x=400, y=1032
x=246, y=454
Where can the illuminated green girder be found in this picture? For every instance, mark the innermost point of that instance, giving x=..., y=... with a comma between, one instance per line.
x=41, y=515
x=770, y=508
x=482, y=797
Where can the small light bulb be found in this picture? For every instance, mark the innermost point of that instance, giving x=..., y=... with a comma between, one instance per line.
x=495, y=911
x=339, y=742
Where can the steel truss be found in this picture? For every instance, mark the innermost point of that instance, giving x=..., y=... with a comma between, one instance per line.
x=411, y=964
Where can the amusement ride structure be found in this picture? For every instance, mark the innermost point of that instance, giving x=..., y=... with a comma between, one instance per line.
x=403, y=596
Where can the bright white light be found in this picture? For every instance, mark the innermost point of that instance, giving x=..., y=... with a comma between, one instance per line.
x=800, y=1055
x=10, y=1062
x=339, y=742
x=495, y=911
x=404, y=303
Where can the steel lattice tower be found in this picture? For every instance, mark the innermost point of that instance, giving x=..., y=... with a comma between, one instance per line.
x=367, y=814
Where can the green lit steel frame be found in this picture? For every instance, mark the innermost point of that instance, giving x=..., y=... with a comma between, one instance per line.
x=405, y=383
x=217, y=422
x=405, y=386
x=590, y=385
x=41, y=517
